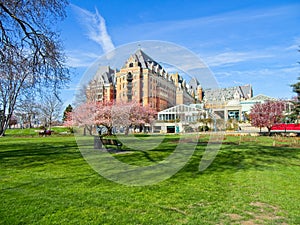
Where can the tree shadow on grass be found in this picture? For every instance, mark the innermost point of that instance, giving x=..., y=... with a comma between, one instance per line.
x=24, y=154
x=233, y=158
x=163, y=150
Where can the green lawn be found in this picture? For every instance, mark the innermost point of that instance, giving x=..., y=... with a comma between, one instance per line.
x=45, y=180
x=33, y=132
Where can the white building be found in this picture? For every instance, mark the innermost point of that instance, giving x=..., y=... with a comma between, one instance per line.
x=249, y=103
x=173, y=120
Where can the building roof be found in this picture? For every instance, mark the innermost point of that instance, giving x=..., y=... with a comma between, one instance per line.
x=104, y=73
x=226, y=94
x=143, y=59
x=262, y=97
x=194, y=83
x=182, y=108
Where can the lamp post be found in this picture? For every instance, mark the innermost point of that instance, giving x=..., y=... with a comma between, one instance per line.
x=211, y=113
x=286, y=119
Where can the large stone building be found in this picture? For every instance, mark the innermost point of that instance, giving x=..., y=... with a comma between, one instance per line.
x=101, y=87
x=143, y=80
x=225, y=102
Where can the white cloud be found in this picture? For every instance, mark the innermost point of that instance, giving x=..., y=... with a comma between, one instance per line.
x=80, y=59
x=295, y=45
x=273, y=81
x=96, y=27
x=219, y=24
x=260, y=73
x=234, y=57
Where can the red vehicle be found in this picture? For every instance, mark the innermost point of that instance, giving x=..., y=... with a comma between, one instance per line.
x=282, y=127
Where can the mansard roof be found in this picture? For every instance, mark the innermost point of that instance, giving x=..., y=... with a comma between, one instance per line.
x=194, y=83
x=143, y=59
x=262, y=97
x=226, y=94
x=246, y=91
x=104, y=73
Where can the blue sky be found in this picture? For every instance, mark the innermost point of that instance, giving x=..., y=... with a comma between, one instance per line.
x=242, y=42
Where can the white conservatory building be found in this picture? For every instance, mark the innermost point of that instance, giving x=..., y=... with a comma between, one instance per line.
x=172, y=120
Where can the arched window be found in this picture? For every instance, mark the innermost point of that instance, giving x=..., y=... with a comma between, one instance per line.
x=129, y=77
x=130, y=64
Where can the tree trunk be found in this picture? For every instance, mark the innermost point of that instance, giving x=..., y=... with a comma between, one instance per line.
x=3, y=128
x=4, y=122
x=50, y=122
x=2, y=133
x=109, y=131
x=141, y=128
x=269, y=131
x=126, y=130
x=90, y=130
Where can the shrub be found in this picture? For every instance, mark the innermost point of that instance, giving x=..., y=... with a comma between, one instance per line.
x=203, y=128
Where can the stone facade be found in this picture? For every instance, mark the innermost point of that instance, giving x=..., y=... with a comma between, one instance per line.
x=225, y=102
x=143, y=80
x=101, y=87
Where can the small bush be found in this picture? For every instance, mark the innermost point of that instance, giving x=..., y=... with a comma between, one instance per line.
x=188, y=129
x=203, y=128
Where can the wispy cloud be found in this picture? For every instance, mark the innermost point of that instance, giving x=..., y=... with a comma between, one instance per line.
x=221, y=25
x=96, y=28
x=234, y=57
x=272, y=72
x=271, y=81
x=295, y=45
x=80, y=59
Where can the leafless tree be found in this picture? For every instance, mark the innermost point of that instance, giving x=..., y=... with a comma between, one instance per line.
x=30, y=51
x=81, y=95
x=26, y=110
x=49, y=110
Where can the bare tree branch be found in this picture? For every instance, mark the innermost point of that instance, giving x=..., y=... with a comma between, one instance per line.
x=30, y=51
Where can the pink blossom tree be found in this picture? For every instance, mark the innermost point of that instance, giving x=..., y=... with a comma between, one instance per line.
x=82, y=116
x=110, y=115
x=132, y=114
x=104, y=115
x=267, y=114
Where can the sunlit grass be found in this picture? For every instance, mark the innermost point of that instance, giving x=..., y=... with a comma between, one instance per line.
x=34, y=132
x=45, y=180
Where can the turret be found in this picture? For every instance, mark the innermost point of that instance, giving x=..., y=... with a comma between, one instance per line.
x=199, y=93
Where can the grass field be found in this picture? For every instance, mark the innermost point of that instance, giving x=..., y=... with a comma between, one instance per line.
x=33, y=132
x=45, y=180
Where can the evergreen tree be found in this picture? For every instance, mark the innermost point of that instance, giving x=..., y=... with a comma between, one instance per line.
x=68, y=109
x=296, y=111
